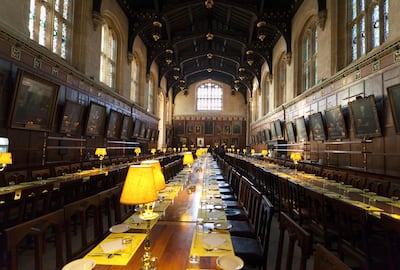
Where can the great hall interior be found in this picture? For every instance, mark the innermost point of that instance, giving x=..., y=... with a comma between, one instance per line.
x=290, y=110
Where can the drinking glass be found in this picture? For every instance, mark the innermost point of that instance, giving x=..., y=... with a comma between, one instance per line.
x=394, y=199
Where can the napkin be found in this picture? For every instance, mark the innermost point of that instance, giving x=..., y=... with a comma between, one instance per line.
x=214, y=240
x=112, y=246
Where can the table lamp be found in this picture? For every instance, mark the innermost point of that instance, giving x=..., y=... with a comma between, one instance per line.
x=140, y=189
x=5, y=159
x=153, y=151
x=264, y=152
x=188, y=159
x=138, y=151
x=101, y=153
x=158, y=174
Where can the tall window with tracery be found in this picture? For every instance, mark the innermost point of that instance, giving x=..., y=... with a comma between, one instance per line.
x=108, y=56
x=134, y=94
x=50, y=25
x=281, y=88
x=309, y=57
x=150, y=97
x=369, y=25
x=209, y=97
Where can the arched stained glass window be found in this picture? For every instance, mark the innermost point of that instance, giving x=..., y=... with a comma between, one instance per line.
x=209, y=97
x=50, y=24
x=108, y=56
x=369, y=25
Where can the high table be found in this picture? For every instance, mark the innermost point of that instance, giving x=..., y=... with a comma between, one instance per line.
x=172, y=235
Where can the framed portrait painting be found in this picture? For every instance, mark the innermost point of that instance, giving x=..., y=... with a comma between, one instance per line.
x=96, y=118
x=71, y=119
x=208, y=128
x=301, y=129
x=114, y=125
x=290, y=132
x=127, y=127
x=335, y=124
x=394, y=100
x=317, y=127
x=34, y=103
x=137, y=128
x=364, y=117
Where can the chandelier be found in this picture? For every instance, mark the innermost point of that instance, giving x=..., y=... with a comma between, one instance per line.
x=262, y=28
x=157, y=30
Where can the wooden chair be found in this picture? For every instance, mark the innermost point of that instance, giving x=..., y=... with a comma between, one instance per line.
x=84, y=214
x=61, y=170
x=15, y=177
x=357, y=242
x=391, y=226
x=37, y=228
x=316, y=217
x=377, y=185
x=42, y=173
x=254, y=251
x=109, y=208
x=75, y=167
x=326, y=260
x=295, y=234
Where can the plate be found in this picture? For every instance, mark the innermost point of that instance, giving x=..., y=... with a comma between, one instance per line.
x=229, y=262
x=222, y=226
x=80, y=264
x=120, y=228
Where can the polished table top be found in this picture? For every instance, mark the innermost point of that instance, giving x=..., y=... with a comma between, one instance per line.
x=173, y=234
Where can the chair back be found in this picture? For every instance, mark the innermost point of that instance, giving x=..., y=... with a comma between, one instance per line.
x=324, y=259
x=295, y=234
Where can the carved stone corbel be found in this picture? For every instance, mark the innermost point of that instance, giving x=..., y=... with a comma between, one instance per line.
x=97, y=20
x=322, y=14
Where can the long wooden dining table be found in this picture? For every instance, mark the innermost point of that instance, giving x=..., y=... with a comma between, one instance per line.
x=173, y=235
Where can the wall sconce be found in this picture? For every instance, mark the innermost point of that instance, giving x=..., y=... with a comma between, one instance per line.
x=5, y=159
x=168, y=56
x=138, y=151
x=250, y=57
x=140, y=189
x=242, y=75
x=157, y=30
x=101, y=153
x=261, y=30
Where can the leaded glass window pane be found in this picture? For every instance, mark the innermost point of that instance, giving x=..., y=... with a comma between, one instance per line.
x=209, y=97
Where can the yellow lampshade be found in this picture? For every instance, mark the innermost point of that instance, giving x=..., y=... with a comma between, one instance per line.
x=101, y=152
x=139, y=186
x=264, y=152
x=188, y=158
x=158, y=174
x=153, y=151
x=5, y=158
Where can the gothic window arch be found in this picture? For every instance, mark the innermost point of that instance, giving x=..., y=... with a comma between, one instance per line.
x=50, y=25
x=209, y=97
x=281, y=80
x=368, y=25
x=108, y=55
x=309, y=56
x=135, y=75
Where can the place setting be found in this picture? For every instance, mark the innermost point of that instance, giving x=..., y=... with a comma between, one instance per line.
x=117, y=248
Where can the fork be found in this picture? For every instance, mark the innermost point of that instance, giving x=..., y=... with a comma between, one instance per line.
x=216, y=249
